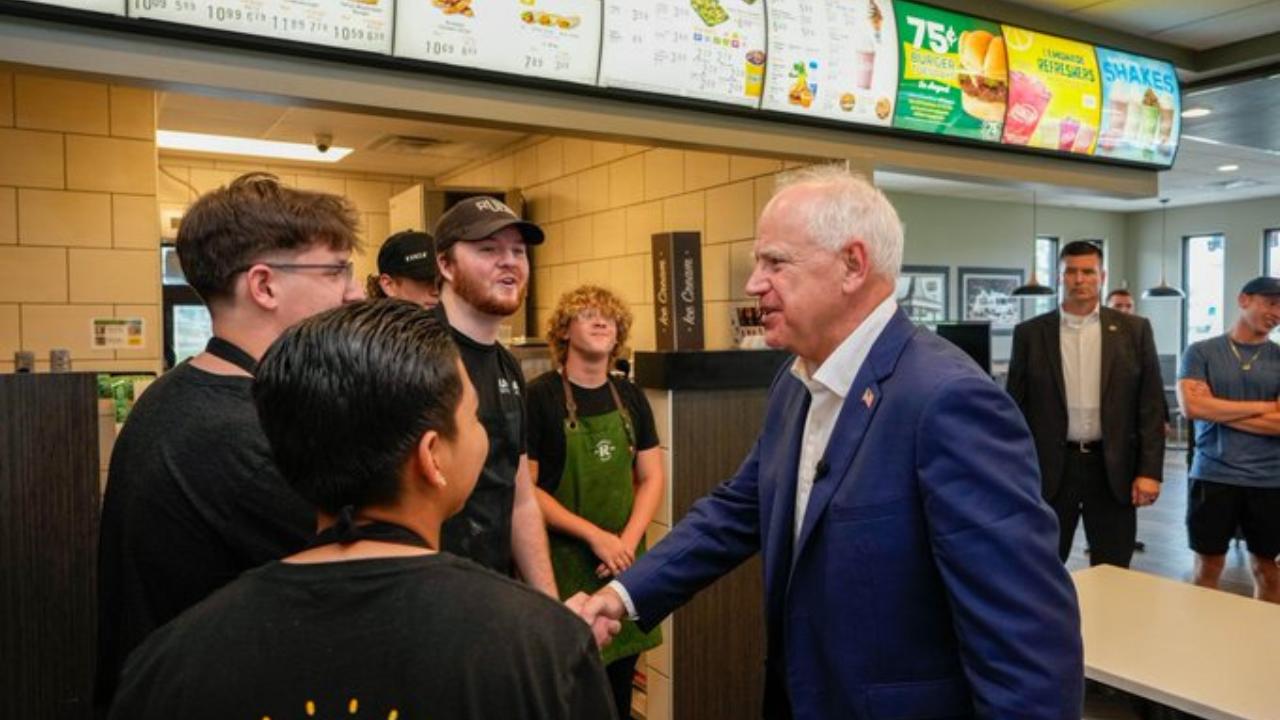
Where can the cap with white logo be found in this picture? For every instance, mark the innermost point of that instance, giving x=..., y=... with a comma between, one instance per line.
x=478, y=218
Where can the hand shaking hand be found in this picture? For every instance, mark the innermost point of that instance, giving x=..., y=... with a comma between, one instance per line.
x=603, y=612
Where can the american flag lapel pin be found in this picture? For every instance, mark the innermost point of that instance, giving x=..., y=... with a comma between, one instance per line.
x=868, y=397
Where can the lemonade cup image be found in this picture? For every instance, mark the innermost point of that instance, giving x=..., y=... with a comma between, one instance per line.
x=1083, y=141
x=1067, y=131
x=1028, y=98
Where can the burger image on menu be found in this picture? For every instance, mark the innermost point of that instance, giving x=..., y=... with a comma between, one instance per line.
x=984, y=75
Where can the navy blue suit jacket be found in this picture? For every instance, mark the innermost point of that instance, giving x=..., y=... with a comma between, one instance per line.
x=925, y=582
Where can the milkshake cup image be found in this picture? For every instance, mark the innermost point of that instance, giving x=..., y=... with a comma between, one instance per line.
x=1133, y=117
x=1150, y=119
x=755, y=73
x=1028, y=97
x=1166, y=123
x=1117, y=112
x=864, y=56
x=1084, y=139
x=1067, y=131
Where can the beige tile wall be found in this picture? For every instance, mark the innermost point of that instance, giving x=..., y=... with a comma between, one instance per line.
x=78, y=225
x=600, y=203
x=182, y=179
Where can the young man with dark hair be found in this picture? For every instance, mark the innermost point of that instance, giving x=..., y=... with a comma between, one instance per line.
x=482, y=247
x=193, y=498
x=594, y=453
x=1087, y=379
x=372, y=420
x=1230, y=386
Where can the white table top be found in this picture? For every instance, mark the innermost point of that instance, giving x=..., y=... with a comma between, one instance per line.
x=1206, y=652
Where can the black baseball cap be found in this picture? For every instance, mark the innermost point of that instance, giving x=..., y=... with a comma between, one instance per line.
x=410, y=254
x=477, y=218
x=1261, y=286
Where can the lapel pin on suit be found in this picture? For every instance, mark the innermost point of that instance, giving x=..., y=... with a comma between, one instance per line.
x=868, y=397
x=1112, y=328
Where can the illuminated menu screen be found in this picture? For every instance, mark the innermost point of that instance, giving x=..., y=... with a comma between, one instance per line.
x=833, y=58
x=354, y=24
x=556, y=39
x=1054, y=92
x=1141, y=108
x=111, y=7
x=705, y=49
x=953, y=74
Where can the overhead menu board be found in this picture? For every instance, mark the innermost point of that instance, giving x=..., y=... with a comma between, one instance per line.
x=833, y=58
x=705, y=49
x=353, y=24
x=1054, y=92
x=953, y=74
x=555, y=39
x=111, y=7
x=1141, y=108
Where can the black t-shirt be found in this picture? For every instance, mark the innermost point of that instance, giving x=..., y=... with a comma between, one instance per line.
x=430, y=636
x=547, y=414
x=482, y=530
x=193, y=500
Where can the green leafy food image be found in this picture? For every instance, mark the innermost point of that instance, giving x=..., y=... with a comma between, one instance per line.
x=710, y=11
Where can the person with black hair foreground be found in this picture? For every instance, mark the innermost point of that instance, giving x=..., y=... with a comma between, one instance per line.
x=1087, y=379
x=1230, y=387
x=193, y=498
x=372, y=419
x=594, y=454
x=482, y=248
x=407, y=270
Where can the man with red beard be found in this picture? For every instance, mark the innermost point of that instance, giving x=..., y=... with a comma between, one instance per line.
x=482, y=249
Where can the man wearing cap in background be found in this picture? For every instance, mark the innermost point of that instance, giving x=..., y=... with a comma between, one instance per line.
x=482, y=249
x=1230, y=386
x=407, y=270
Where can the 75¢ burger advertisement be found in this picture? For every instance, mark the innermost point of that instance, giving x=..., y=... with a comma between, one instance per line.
x=954, y=76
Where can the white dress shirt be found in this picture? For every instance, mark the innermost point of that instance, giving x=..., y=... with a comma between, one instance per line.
x=828, y=387
x=1081, y=345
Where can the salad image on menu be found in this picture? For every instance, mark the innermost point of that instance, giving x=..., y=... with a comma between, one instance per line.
x=705, y=49
x=1141, y=108
x=1054, y=92
x=835, y=59
x=954, y=75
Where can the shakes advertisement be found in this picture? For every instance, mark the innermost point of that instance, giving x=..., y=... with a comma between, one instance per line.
x=1054, y=92
x=1141, y=109
x=954, y=78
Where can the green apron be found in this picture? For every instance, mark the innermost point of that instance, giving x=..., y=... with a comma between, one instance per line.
x=597, y=486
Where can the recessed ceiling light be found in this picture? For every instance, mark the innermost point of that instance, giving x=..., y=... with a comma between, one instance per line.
x=227, y=145
x=1228, y=168
x=1196, y=112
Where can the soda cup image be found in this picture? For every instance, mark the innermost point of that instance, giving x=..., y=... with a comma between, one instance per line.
x=1028, y=97
x=1067, y=131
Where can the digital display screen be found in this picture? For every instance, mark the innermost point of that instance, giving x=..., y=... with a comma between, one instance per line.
x=1054, y=92
x=110, y=7
x=354, y=24
x=1141, y=108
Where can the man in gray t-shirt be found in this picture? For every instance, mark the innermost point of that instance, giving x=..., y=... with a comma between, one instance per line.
x=1230, y=387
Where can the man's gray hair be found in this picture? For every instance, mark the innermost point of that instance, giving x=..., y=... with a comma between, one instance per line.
x=846, y=206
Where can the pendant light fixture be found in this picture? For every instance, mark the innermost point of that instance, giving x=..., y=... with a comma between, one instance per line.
x=1033, y=288
x=1164, y=289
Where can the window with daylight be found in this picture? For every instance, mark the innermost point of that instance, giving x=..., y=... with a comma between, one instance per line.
x=1203, y=257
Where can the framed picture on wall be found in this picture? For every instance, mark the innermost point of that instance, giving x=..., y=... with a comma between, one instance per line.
x=986, y=294
x=923, y=292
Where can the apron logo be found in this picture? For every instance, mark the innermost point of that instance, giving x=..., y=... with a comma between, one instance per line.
x=604, y=450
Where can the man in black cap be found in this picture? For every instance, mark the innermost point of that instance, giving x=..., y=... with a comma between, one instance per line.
x=1230, y=386
x=482, y=249
x=407, y=270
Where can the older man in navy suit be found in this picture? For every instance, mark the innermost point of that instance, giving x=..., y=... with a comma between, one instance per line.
x=910, y=566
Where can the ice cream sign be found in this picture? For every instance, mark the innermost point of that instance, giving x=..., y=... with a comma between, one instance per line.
x=1054, y=92
x=1141, y=113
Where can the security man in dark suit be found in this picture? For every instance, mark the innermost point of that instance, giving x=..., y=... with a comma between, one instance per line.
x=1087, y=378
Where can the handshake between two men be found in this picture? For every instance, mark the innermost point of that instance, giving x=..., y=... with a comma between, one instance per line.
x=603, y=611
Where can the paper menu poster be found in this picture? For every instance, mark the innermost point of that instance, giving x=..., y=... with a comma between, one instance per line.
x=705, y=49
x=832, y=58
x=953, y=75
x=555, y=39
x=351, y=24
x=1141, y=108
x=1054, y=92
x=110, y=7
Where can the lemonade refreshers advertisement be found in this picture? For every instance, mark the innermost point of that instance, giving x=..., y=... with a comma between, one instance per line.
x=835, y=59
x=554, y=39
x=351, y=24
x=705, y=49
x=1054, y=92
x=953, y=78
x=1141, y=108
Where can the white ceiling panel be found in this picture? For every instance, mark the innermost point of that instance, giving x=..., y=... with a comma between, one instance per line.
x=1257, y=20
